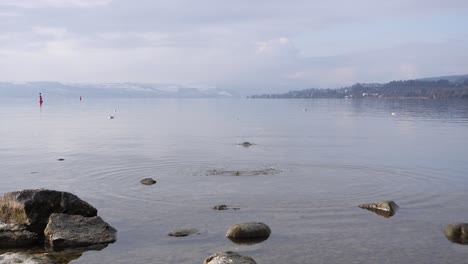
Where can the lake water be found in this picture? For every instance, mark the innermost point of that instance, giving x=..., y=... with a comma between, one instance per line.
x=327, y=157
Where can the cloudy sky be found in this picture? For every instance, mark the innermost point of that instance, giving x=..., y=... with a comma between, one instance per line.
x=248, y=45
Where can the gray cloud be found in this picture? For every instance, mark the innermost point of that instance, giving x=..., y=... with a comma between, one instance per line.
x=250, y=45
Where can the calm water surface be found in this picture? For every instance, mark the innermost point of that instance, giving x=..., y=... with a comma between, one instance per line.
x=329, y=159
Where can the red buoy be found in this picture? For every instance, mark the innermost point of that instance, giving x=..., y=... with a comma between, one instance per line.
x=40, y=99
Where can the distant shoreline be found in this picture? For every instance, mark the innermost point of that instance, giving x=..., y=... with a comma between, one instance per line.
x=414, y=89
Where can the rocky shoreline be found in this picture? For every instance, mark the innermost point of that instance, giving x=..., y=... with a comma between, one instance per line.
x=52, y=220
x=59, y=227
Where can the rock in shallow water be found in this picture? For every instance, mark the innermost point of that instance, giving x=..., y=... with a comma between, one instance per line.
x=223, y=207
x=229, y=257
x=13, y=235
x=457, y=233
x=246, y=144
x=386, y=208
x=65, y=231
x=148, y=181
x=183, y=232
x=220, y=207
x=248, y=233
x=223, y=172
x=33, y=207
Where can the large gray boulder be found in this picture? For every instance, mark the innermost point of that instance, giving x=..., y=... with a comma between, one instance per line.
x=228, y=257
x=248, y=233
x=386, y=208
x=13, y=235
x=457, y=233
x=33, y=207
x=63, y=231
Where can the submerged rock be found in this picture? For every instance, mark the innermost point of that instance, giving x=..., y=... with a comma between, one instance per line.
x=220, y=207
x=222, y=172
x=223, y=207
x=248, y=233
x=13, y=235
x=148, y=181
x=65, y=231
x=386, y=208
x=245, y=144
x=33, y=207
x=229, y=257
x=457, y=233
x=183, y=232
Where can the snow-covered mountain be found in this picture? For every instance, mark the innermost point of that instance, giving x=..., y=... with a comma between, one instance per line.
x=122, y=90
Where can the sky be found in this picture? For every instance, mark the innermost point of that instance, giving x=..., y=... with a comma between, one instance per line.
x=244, y=45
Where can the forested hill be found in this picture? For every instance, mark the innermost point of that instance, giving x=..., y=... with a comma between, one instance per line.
x=423, y=88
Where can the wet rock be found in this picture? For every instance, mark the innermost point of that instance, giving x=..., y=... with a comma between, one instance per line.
x=223, y=207
x=65, y=231
x=228, y=257
x=457, y=233
x=33, y=207
x=60, y=159
x=148, y=181
x=220, y=207
x=248, y=233
x=13, y=235
x=183, y=232
x=386, y=208
x=245, y=144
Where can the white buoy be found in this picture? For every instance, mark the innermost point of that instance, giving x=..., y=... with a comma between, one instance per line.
x=393, y=114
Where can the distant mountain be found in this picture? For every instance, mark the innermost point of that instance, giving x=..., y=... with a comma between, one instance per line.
x=103, y=90
x=434, y=88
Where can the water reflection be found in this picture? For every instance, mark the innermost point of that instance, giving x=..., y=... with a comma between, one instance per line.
x=249, y=241
x=44, y=255
x=386, y=214
x=450, y=110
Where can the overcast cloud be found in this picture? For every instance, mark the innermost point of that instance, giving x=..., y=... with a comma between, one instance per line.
x=248, y=45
